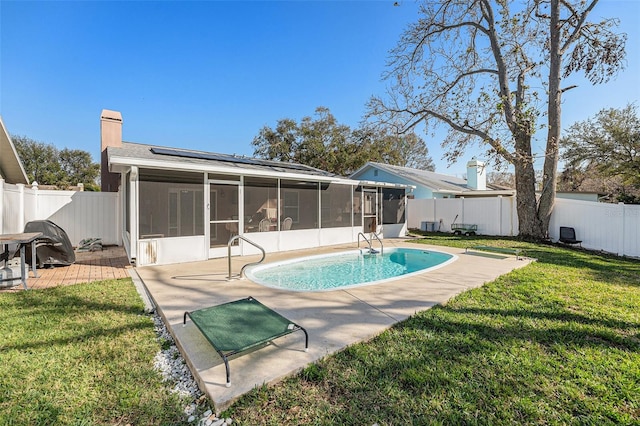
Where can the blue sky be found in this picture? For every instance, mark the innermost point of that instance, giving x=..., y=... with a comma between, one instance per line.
x=209, y=75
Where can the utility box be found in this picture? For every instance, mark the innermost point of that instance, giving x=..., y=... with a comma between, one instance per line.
x=428, y=226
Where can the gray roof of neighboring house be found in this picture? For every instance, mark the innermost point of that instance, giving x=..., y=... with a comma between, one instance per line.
x=433, y=180
x=164, y=157
x=11, y=168
x=436, y=181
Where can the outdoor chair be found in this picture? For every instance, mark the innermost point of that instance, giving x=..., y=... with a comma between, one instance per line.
x=286, y=223
x=232, y=227
x=264, y=225
x=568, y=236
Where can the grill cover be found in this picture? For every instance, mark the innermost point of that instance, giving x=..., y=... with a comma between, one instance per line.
x=54, y=247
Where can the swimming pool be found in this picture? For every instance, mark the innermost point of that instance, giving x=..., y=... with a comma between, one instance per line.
x=346, y=269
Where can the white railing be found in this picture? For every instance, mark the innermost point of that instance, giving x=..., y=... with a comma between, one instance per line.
x=614, y=228
x=81, y=214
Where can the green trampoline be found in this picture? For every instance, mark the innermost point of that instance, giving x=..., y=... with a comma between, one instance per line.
x=238, y=326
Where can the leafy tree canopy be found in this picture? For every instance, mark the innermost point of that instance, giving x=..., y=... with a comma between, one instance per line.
x=608, y=144
x=322, y=142
x=602, y=154
x=47, y=165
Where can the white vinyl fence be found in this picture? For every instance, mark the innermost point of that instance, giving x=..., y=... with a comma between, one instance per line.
x=614, y=228
x=493, y=215
x=81, y=214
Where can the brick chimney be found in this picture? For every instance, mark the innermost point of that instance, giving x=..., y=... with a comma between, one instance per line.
x=476, y=175
x=110, y=135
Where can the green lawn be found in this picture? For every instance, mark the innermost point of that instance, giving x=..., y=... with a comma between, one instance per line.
x=556, y=342
x=81, y=355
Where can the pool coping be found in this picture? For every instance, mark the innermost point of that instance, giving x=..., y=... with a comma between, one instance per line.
x=334, y=319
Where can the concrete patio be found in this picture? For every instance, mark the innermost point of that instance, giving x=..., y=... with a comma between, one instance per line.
x=333, y=319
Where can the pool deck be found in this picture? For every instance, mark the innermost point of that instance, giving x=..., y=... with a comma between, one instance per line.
x=333, y=319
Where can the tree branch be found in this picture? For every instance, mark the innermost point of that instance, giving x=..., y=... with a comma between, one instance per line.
x=577, y=28
x=464, y=128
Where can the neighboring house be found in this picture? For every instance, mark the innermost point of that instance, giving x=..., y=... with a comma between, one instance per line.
x=434, y=185
x=11, y=168
x=181, y=205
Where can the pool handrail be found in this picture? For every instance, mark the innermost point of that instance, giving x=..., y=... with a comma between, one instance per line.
x=240, y=237
x=369, y=242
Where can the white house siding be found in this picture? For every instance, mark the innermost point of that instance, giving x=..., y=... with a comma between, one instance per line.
x=175, y=250
x=275, y=241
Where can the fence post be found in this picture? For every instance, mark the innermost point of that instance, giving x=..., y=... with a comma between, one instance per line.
x=36, y=201
x=435, y=217
x=20, y=205
x=500, y=215
x=622, y=233
x=2, y=206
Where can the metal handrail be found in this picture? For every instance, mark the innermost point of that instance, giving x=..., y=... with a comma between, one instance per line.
x=240, y=237
x=365, y=238
x=369, y=242
x=380, y=241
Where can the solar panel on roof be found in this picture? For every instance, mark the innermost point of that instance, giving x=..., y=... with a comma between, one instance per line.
x=233, y=159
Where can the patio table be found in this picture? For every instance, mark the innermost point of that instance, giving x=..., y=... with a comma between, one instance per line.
x=22, y=240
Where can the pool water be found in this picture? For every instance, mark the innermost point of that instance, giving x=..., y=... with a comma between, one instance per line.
x=346, y=269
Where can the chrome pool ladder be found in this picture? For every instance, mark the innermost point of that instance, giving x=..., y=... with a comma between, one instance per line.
x=371, y=250
x=231, y=241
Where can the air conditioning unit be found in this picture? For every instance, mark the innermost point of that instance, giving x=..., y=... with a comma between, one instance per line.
x=428, y=226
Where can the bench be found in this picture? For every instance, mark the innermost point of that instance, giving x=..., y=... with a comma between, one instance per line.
x=505, y=250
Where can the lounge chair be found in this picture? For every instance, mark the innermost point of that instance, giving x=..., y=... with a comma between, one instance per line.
x=568, y=236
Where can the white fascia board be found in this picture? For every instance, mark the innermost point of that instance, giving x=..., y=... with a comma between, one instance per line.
x=494, y=192
x=446, y=191
x=14, y=158
x=118, y=164
x=386, y=184
x=368, y=164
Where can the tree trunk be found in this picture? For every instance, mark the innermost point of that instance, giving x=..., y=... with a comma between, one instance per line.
x=547, y=198
x=529, y=225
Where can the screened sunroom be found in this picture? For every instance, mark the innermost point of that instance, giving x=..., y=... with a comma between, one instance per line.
x=181, y=205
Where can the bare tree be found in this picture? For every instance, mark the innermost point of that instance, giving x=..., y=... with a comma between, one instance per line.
x=489, y=70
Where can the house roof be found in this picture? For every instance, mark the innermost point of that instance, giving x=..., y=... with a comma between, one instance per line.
x=437, y=182
x=11, y=168
x=433, y=180
x=150, y=156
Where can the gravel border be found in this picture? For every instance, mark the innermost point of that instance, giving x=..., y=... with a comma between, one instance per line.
x=176, y=374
